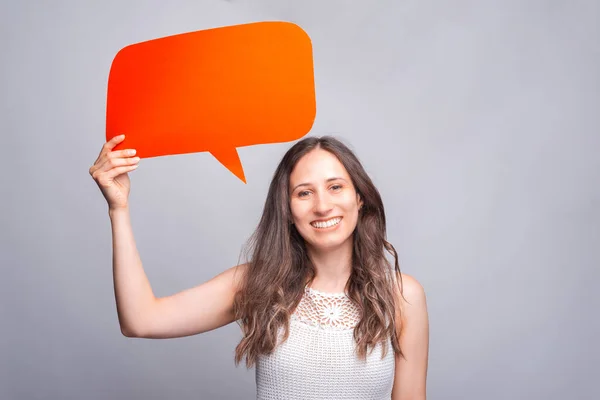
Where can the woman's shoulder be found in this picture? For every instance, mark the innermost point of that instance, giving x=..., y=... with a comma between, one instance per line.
x=410, y=292
x=410, y=286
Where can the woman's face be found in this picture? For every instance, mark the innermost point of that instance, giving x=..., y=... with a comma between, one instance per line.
x=323, y=200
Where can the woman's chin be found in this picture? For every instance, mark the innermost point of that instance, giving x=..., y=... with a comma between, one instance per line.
x=328, y=244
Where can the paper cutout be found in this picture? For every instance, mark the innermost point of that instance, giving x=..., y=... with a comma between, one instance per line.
x=213, y=90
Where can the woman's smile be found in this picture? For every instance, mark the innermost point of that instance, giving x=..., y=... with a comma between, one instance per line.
x=327, y=225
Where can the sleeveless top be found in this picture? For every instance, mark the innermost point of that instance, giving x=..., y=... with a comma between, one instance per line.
x=318, y=360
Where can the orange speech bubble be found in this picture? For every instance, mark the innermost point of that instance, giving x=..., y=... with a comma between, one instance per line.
x=213, y=90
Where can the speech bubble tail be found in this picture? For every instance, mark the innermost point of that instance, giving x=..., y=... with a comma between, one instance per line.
x=230, y=159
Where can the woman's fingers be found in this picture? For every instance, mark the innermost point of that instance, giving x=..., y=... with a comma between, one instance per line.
x=109, y=166
x=103, y=176
x=109, y=161
x=122, y=153
x=109, y=145
x=113, y=161
x=120, y=170
x=113, y=142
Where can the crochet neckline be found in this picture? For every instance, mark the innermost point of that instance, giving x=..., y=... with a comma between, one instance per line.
x=326, y=294
x=331, y=311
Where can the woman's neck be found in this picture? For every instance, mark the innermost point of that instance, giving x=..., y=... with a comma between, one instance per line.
x=332, y=266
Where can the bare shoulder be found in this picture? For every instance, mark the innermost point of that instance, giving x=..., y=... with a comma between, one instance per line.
x=412, y=301
x=412, y=290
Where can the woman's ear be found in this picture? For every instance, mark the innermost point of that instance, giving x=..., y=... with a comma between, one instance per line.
x=359, y=201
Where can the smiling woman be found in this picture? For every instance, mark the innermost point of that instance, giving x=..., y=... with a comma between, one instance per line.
x=322, y=311
x=318, y=261
x=325, y=205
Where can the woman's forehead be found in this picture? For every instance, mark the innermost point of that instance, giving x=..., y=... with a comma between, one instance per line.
x=317, y=166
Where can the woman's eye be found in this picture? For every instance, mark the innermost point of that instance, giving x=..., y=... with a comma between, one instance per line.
x=302, y=194
x=336, y=187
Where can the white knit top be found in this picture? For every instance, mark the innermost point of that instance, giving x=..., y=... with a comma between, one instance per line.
x=318, y=359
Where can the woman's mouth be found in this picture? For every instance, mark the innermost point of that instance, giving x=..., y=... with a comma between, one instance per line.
x=326, y=224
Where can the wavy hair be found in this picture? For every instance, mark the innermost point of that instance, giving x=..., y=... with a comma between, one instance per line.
x=279, y=266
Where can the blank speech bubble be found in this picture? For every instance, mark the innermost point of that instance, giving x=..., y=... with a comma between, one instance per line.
x=213, y=90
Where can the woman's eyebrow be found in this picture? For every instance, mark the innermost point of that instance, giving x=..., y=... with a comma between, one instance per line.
x=328, y=180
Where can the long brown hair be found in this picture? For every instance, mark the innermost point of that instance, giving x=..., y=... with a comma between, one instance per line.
x=279, y=266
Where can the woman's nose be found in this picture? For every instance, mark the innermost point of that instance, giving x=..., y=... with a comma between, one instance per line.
x=322, y=204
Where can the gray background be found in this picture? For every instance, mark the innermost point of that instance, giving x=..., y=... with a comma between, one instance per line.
x=478, y=121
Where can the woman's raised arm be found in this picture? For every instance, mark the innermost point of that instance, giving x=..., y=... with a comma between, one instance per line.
x=192, y=311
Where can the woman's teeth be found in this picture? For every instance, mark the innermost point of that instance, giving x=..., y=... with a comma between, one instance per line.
x=326, y=224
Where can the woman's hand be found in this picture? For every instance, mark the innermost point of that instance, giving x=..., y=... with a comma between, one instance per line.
x=110, y=172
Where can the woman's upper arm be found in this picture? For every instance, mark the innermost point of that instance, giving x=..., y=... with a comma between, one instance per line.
x=410, y=378
x=192, y=311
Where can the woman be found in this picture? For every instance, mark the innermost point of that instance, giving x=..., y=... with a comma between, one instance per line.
x=323, y=313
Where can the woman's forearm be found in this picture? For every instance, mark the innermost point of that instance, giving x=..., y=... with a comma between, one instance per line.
x=133, y=292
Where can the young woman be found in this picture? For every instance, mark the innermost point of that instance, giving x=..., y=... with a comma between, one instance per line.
x=323, y=313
